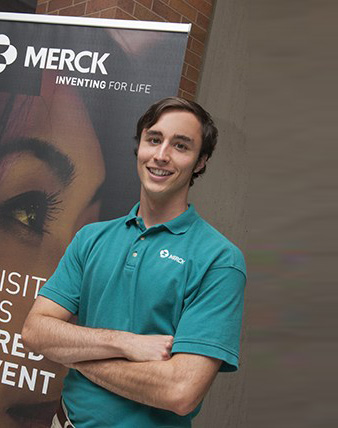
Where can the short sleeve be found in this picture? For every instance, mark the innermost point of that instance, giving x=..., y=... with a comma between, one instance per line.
x=64, y=286
x=211, y=320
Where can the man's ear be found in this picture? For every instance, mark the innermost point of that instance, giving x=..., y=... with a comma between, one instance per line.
x=200, y=163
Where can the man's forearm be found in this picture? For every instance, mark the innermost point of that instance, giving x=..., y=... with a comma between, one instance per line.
x=142, y=382
x=63, y=342
x=178, y=384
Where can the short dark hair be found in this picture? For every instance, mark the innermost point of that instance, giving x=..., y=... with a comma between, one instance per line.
x=209, y=130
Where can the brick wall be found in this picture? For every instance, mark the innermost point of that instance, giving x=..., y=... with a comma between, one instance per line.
x=196, y=12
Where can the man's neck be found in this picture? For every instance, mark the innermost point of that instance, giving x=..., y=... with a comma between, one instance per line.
x=157, y=211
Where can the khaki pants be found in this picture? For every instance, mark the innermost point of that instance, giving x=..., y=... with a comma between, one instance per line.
x=56, y=423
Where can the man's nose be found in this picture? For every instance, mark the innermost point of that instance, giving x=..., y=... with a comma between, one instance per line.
x=162, y=153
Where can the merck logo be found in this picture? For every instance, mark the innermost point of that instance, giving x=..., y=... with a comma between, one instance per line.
x=9, y=54
x=60, y=59
x=53, y=58
x=166, y=254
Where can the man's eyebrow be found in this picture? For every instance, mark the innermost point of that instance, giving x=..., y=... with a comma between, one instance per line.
x=184, y=138
x=153, y=132
x=59, y=162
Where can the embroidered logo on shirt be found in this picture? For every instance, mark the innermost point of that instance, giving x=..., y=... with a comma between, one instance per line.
x=166, y=254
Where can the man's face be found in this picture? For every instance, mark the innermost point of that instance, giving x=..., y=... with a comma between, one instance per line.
x=168, y=155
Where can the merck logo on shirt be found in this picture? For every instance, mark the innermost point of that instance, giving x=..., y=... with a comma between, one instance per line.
x=166, y=254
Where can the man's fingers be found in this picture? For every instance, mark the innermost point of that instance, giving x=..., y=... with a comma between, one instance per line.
x=166, y=355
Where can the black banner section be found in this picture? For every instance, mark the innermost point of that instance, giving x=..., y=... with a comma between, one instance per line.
x=70, y=96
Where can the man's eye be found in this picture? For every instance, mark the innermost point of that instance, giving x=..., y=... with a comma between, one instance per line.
x=32, y=210
x=180, y=146
x=155, y=141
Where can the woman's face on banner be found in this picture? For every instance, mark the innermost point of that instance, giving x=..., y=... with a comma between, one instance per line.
x=51, y=171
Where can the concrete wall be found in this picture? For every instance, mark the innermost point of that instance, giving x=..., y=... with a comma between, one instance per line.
x=292, y=204
x=292, y=139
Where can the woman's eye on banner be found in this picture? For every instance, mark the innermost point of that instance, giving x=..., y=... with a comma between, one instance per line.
x=32, y=211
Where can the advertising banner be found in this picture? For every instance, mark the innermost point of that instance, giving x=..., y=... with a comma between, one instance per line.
x=71, y=91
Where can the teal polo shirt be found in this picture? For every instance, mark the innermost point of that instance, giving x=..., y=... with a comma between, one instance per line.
x=181, y=278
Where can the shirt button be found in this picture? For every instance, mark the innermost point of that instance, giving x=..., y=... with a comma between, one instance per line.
x=142, y=238
x=137, y=222
x=135, y=254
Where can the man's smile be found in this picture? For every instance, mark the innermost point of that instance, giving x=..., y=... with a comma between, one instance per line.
x=159, y=172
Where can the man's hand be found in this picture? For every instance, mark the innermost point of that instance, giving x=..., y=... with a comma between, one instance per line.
x=140, y=348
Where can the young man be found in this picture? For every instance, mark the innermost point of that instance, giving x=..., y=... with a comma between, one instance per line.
x=158, y=293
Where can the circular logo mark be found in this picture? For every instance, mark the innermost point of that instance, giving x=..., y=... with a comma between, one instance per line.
x=9, y=55
x=164, y=254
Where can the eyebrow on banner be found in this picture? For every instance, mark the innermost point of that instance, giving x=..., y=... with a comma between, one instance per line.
x=59, y=162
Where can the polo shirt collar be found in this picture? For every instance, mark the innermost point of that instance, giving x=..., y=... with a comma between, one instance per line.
x=176, y=226
x=132, y=216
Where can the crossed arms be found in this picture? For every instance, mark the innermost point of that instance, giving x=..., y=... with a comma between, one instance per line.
x=137, y=367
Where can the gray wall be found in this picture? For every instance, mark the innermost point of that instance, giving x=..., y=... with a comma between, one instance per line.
x=290, y=345
x=220, y=195
x=292, y=132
